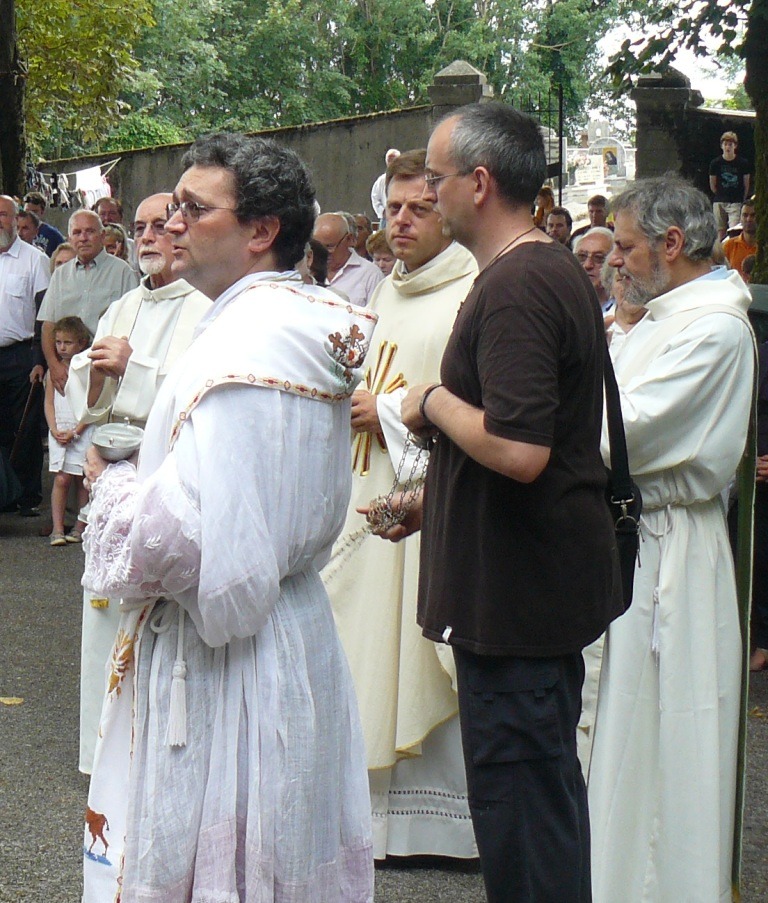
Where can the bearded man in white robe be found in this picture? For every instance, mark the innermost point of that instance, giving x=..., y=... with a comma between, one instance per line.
x=138, y=339
x=231, y=764
x=403, y=681
x=662, y=781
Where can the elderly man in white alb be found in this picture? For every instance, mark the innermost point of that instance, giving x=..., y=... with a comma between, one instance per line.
x=232, y=765
x=662, y=780
x=348, y=272
x=403, y=681
x=137, y=342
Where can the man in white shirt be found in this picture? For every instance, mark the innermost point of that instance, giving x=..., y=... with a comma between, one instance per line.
x=348, y=272
x=231, y=759
x=592, y=249
x=23, y=274
x=84, y=287
x=379, y=189
x=407, y=703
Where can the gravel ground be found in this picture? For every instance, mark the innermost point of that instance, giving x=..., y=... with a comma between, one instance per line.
x=42, y=795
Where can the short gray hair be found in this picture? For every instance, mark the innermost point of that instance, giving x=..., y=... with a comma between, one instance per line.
x=506, y=142
x=83, y=211
x=350, y=221
x=668, y=201
x=595, y=230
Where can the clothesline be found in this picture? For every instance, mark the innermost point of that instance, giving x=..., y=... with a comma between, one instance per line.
x=110, y=164
x=90, y=184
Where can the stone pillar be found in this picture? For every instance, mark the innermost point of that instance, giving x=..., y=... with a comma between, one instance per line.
x=457, y=85
x=662, y=104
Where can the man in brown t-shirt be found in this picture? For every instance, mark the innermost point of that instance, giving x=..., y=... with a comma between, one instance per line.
x=518, y=565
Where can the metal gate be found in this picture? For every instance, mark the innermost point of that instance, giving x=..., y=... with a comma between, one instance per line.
x=548, y=110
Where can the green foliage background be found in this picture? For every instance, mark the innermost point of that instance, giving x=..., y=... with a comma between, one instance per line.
x=133, y=73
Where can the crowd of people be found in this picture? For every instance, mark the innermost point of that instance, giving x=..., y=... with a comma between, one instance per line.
x=359, y=594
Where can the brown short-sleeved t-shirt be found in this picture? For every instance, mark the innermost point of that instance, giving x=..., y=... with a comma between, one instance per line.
x=509, y=568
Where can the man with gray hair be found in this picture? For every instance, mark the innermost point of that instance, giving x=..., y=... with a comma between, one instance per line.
x=23, y=278
x=662, y=780
x=592, y=249
x=84, y=287
x=348, y=272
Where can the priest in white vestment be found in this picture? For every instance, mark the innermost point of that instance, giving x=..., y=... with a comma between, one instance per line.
x=403, y=681
x=138, y=339
x=662, y=781
x=231, y=764
x=619, y=323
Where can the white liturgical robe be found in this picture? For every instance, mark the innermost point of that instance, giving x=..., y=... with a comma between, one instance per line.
x=231, y=760
x=403, y=681
x=159, y=324
x=662, y=779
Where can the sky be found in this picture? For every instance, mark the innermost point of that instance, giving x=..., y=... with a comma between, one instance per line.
x=702, y=71
x=704, y=75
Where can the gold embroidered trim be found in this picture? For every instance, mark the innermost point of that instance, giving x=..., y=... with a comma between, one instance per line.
x=377, y=384
x=269, y=382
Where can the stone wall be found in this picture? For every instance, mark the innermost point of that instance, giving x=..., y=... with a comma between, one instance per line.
x=676, y=134
x=345, y=155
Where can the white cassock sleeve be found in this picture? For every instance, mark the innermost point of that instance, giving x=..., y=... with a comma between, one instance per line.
x=254, y=490
x=687, y=413
x=395, y=435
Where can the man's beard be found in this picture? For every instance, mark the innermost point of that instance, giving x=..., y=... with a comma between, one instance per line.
x=7, y=238
x=638, y=291
x=151, y=266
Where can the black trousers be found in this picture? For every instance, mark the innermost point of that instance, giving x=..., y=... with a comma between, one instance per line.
x=15, y=366
x=759, y=611
x=527, y=794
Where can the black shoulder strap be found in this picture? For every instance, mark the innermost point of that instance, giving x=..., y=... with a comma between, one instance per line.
x=620, y=480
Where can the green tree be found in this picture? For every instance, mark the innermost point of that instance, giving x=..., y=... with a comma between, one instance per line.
x=180, y=73
x=724, y=29
x=142, y=130
x=78, y=55
x=252, y=64
x=12, y=81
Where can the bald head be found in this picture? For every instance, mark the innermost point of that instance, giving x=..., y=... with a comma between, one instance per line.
x=332, y=231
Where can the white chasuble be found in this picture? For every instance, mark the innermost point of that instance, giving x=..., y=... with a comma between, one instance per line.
x=403, y=681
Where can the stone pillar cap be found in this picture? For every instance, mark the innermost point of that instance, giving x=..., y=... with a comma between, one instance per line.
x=460, y=72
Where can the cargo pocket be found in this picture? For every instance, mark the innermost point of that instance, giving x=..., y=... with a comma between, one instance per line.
x=513, y=711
